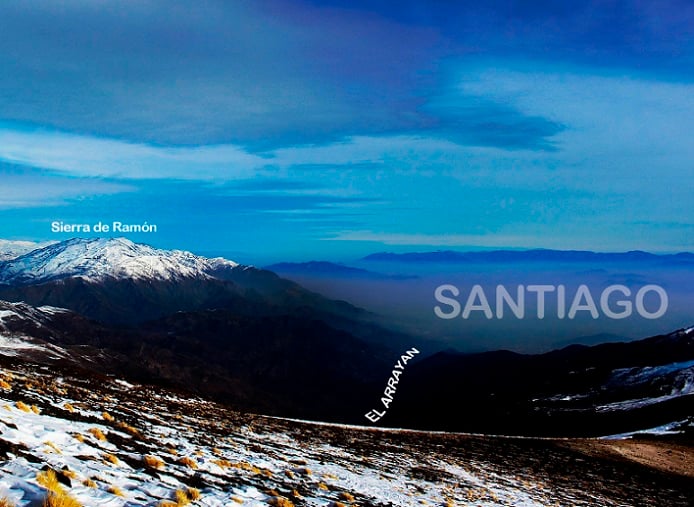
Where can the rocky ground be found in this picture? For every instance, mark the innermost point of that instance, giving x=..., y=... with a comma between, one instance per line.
x=70, y=436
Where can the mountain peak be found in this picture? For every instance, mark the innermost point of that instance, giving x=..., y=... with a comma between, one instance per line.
x=97, y=259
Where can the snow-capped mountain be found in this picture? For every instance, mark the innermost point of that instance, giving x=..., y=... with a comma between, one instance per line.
x=13, y=249
x=100, y=259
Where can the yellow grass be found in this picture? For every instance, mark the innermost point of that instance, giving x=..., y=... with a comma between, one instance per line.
x=346, y=496
x=128, y=429
x=194, y=494
x=181, y=498
x=323, y=486
x=280, y=501
x=60, y=500
x=71, y=474
x=115, y=490
x=23, y=406
x=107, y=417
x=90, y=483
x=79, y=438
x=52, y=446
x=36, y=410
x=6, y=502
x=5, y=385
x=237, y=499
x=153, y=462
x=111, y=459
x=222, y=463
x=97, y=433
x=49, y=480
x=167, y=503
x=189, y=462
x=69, y=407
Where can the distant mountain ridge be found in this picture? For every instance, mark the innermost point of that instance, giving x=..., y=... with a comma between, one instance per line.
x=535, y=255
x=325, y=268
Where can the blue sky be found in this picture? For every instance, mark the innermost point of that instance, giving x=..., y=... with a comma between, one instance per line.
x=274, y=130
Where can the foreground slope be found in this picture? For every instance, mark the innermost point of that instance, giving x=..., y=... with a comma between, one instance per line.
x=111, y=443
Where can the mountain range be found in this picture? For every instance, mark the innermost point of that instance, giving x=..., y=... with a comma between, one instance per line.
x=251, y=339
x=534, y=255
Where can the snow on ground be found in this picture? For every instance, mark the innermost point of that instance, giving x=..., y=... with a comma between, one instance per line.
x=117, y=444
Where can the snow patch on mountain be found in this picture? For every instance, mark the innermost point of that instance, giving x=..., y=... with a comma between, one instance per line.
x=677, y=378
x=12, y=249
x=101, y=259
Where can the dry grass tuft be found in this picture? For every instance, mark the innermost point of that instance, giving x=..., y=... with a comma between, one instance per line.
x=323, y=486
x=49, y=480
x=167, y=503
x=60, y=500
x=222, y=463
x=36, y=410
x=107, y=417
x=110, y=458
x=115, y=490
x=97, y=433
x=189, y=462
x=153, y=462
x=131, y=430
x=79, y=437
x=280, y=501
x=237, y=499
x=194, y=494
x=69, y=407
x=23, y=406
x=7, y=386
x=6, y=502
x=53, y=447
x=181, y=498
x=70, y=474
x=90, y=483
x=348, y=497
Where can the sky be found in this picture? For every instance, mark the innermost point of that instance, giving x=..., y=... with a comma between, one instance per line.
x=299, y=130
